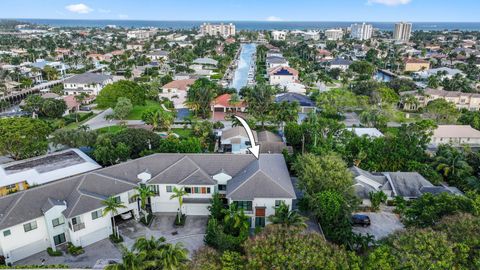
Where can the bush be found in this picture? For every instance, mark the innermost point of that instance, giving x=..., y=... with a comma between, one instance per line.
x=53, y=266
x=148, y=221
x=116, y=239
x=74, y=250
x=180, y=222
x=54, y=253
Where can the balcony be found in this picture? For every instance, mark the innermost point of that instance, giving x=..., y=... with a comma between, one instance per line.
x=76, y=227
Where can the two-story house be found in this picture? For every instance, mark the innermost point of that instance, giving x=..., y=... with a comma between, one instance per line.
x=88, y=83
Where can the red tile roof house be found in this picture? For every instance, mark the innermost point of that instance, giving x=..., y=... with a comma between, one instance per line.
x=222, y=105
x=176, y=91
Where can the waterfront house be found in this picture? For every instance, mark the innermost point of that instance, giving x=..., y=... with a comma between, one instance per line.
x=469, y=101
x=235, y=140
x=224, y=103
x=176, y=91
x=276, y=61
x=71, y=209
x=282, y=75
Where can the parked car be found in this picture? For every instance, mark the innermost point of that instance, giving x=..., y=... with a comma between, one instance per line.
x=85, y=109
x=360, y=220
x=126, y=216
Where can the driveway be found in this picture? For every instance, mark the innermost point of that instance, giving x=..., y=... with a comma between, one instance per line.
x=383, y=223
x=99, y=121
x=191, y=235
x=100, y=250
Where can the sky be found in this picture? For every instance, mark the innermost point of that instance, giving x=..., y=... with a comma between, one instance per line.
x=247, y=10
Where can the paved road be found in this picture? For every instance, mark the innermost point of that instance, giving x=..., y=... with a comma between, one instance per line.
x=99, y=121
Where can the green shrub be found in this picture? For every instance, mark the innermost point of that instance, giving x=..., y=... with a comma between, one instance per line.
x=54, y=253
x=116, y=239
x=181, y=221
x=74, y=250
x=148, y=221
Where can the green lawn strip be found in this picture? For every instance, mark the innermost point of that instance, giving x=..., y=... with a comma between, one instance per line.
x=137, y=111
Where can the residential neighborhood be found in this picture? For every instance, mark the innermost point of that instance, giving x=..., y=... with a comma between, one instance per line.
x=140, y=142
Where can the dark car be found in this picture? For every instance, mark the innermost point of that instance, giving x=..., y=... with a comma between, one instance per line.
x=360, y=220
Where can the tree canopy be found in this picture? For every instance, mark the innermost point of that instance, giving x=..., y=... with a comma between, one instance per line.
x=108, y=97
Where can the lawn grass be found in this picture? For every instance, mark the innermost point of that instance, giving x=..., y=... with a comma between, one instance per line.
x=182, y=132
x=137, y=111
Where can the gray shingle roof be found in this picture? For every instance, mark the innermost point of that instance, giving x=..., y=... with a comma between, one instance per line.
x=264, y=178
x=408, y=184
x=88, y=78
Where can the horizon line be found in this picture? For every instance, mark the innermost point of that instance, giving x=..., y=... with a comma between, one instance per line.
x=220, y=20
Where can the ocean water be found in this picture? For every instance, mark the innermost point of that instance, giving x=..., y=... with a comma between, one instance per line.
x=250, y=25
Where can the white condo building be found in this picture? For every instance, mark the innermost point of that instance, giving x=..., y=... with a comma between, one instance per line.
x=334, y=34
x=361, y=31
x=224, y=30
x=402, y=32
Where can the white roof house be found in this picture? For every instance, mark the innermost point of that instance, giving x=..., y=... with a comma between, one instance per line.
x=47, y=168
x=370, y=132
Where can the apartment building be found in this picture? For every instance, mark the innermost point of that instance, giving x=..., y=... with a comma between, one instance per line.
x=469, y=101
x=402, y=32
x=361, y=31
x=224, y=30
x=279, y=35
x=71, y=209
x=334, y=34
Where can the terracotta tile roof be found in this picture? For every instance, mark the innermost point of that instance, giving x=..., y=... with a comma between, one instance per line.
x=224, y=100
x=415, y=61
x=179, y=84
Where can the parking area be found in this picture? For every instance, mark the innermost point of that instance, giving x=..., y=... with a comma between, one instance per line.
x=383, y=223
x=191, y=235
x=100, y=250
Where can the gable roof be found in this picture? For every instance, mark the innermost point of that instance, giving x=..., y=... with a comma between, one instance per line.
x=302, y=100
x=179, y=84
x=88, y=77
x=266, y=177
x=283, y=71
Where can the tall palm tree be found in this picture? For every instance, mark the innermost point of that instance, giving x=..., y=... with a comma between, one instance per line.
x=132, y=261
x=111, y=207
x=179, y=193
x=290, y=218
x=172, y=256
x=143, y=193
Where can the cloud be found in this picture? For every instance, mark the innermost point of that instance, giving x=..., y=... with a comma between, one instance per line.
x=79, y=8
x=273, y=19
x=389, y=2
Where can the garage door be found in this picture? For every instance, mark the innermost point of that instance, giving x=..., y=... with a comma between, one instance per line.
x=95, y=236
x=197, y=209
x=163, y=207
x=28, y=250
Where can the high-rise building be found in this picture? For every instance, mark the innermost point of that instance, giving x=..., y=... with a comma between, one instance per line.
x=361, y=31
x=224, y=30
x=334, y=34
x=402, y=32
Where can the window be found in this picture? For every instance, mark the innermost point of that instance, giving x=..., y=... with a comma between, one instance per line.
x=259, y=221
x=13, y=186
x=155, y=189
x=30, y=226
x=97, y=214
x=278, y=202
x=6, y=233
x=188, y=189
x=196, y=190
x=131, y=196
x=76, y=220
x=222, y=187
x=59, y=239
x=118, y=200
x=245, y=205
x=58, y=221
x=169, y=189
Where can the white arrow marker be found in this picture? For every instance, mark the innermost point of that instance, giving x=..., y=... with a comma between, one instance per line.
x=255, y=149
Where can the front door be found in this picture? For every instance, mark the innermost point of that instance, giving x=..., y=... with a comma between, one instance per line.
x=59, y=239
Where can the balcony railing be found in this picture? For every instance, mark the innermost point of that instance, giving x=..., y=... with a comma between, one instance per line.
x=77, y=227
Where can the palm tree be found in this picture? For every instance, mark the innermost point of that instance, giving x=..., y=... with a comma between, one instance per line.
x=284, y=216
x=179, y=193
x=132, y=261
x=111, y=206
x=172, y=256
x=144, y=244
x=235, y=217
x=143, y=193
